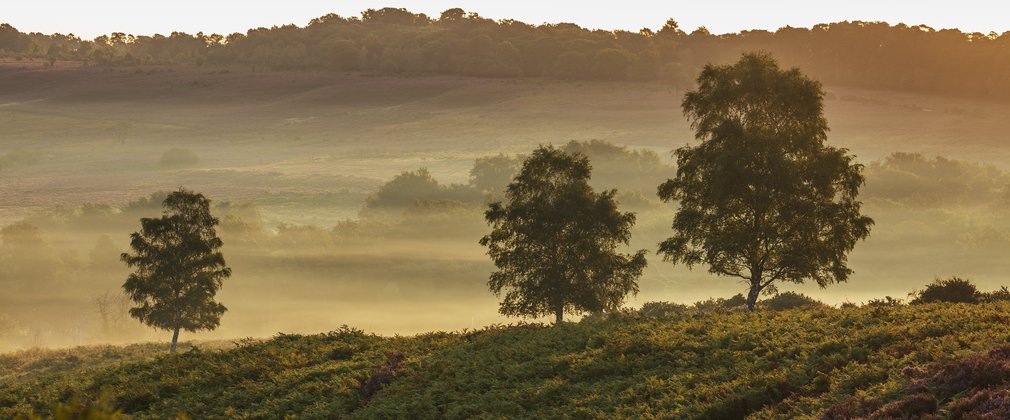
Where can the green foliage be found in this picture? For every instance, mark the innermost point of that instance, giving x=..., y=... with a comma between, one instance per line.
x=976, y=386
x=342, y=54
x=632, y=171
x=385, y=375
x=901, y=57
x=412, y=187
x=571, y=65
x=783, y=364
x=886, y=302
x=555, y=241
x=708, y=306
x=953, y=290
x=149, y=204
x=178, y=267
x=1001, y=295
x=912, y=178
x=610, y=64
x=76, y=409
x=737, y=301
x=790, y=300
x=950, y=290
x=315, y=376
x=43, y=378
x=619, y=166
x=405, y=189
x=762, y=198
x=492, y=174
x=796, y=363
x=663, y=309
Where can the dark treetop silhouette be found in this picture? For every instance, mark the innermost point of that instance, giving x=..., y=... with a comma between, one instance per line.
x=178, y=267
x=554, y=241
x=874, y=55
x=761, y=196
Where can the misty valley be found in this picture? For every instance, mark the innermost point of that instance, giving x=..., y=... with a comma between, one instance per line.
x=312, y=249
x=403, y=216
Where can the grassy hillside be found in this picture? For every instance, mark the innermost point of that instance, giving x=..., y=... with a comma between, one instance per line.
x=883, y=361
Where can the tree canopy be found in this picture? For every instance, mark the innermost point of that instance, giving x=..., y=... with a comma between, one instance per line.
x=762, y=197
x=178, y=267
x=554, y=241
x=873, y=55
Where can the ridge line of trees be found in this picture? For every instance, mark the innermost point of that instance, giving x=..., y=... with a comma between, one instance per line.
x=874, y=55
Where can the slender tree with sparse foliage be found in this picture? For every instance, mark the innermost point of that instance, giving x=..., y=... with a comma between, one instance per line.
x=555, y=241
x=762, y=197
x=178, y=267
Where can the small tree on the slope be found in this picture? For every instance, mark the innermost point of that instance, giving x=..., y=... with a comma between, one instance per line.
x=178, y=267
x=555, y=241
x=761, y=196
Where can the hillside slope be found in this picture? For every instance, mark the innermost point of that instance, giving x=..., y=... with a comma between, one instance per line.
x=877, y=361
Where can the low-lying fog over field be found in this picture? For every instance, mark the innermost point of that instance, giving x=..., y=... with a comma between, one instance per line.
x=357, y=198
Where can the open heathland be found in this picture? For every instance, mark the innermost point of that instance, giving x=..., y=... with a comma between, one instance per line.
x=880, y=360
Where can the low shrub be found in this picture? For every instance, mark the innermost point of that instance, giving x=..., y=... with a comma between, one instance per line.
x=721, y=304
x=985, y=404
x=851, y=408
x=383, y=376
x=1000, y=295
x=663, y=309
x=790, y=300
x=975, y=386
x=414, y=188
x=99, y=409
x=953, y=290
x=915, y=406
x=886, y=302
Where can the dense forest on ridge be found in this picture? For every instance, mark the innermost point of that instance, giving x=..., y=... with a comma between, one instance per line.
x=859, y=54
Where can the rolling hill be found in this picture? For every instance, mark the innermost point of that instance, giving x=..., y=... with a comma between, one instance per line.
x=876, y=361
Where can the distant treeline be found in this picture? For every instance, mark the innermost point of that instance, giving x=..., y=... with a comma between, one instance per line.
x=389, y=40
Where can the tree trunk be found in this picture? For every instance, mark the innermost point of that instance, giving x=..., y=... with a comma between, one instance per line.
x=752, y=296
x=559, y=315
x=175, y=340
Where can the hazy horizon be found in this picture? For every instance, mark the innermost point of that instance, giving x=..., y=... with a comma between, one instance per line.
x=719, y=17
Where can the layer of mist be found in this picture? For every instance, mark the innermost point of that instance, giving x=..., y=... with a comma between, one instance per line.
x=407, y=259
x=358, y=199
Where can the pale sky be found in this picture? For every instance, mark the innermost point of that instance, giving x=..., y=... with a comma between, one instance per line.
x=91, y=18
